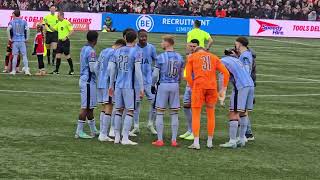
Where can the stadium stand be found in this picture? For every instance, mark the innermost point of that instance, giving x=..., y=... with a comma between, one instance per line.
x=259, y=9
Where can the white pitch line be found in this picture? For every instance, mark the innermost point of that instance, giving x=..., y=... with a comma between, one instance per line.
x=39, y=92
x=256, y=46
x=287, y=42
x=290, y=77
x=280, y=82
x=288, y=82
x=76, y=40
x=287, y=95
x=63, y=62
x=52, y=75
x=73, y=93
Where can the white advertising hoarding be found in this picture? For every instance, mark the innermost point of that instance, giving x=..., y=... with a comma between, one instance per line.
x=282, y=28
x=94, y=19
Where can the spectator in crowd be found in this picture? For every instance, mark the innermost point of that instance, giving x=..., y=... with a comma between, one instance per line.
x=312, y=16
x=220, y=12
x=264, y=9
x=276, y=14
x=107, y=26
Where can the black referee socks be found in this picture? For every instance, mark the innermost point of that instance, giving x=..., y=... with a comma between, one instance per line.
x=58, y=64
x=70, y=64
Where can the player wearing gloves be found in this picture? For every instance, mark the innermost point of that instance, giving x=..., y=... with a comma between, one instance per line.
x=201, y=76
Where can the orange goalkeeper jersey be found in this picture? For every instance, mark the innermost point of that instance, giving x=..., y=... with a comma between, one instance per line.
x=201, y=70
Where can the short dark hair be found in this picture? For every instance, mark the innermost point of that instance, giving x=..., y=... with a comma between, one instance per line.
x=228, y=51
x=169, y=39
x=124, y=32
x=243, y=40
x=92, y=36
x=121, y=42
x=142, y=30
x=16, y=12
x=131, y=36
x=197, y=23
x=195, y=41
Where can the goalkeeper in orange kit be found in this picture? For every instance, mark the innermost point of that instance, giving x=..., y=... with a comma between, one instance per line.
x=201, y=76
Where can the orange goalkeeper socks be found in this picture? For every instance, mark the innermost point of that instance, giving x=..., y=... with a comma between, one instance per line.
x=211, y=122
x=196, y=112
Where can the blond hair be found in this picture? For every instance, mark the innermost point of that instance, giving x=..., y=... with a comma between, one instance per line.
x=169, y=39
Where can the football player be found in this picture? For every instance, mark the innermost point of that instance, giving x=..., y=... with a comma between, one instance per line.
x=102, y=88
x=87, y=83
x=127, y=62
x=168, y=69
x=149, y=56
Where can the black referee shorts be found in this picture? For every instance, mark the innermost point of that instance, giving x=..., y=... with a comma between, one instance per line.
x=63, y=47
x=51, y=37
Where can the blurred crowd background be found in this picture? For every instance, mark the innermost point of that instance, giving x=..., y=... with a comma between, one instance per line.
x=307, y=10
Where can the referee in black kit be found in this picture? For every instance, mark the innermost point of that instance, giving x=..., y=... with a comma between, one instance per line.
x=65, y=30
x=51, y=36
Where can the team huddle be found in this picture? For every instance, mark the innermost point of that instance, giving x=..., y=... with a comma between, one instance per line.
x=122, y=75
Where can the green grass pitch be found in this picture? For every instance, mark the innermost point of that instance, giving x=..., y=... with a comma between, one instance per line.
x=38, y=117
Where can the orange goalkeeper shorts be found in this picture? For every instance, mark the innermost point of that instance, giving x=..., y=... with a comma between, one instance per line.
x=201, y=96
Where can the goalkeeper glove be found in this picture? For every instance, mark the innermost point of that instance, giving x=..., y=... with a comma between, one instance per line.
x=222, y=96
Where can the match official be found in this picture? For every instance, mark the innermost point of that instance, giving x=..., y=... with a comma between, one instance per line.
x=51, y=36
x=65, y=30
x=200, y=35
